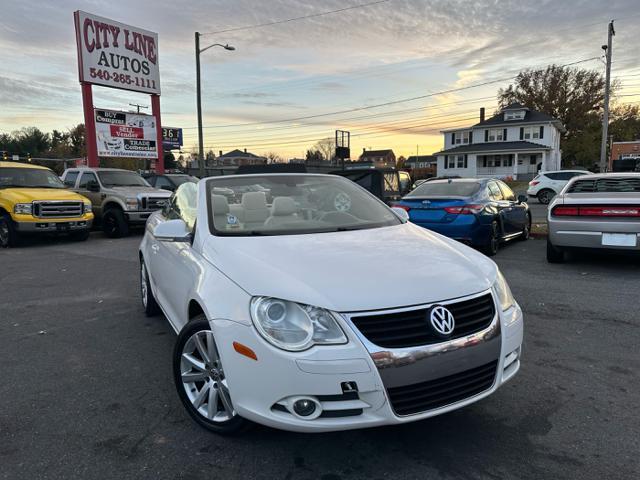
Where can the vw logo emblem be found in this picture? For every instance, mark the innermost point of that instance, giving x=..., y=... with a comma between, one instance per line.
x=441, y=320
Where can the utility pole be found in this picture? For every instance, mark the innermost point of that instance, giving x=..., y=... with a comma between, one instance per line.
x=138, y=106
x=605, y=117
x=201, y=171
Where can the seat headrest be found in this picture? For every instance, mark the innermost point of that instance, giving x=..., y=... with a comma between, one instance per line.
x=283, y=206
x=254, y=200
x=220, y=205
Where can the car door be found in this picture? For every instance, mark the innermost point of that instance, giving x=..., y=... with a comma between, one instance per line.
x=499, y=203
x=95, y=197
x=515, y=213
x=174, y=266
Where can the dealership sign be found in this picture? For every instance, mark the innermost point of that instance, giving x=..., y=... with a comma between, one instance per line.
x=171, y=138
x=123, y=134
x=116, y=55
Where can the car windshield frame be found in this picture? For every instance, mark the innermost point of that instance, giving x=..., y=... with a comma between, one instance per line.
x=127, y=173
x=414, y=194
x=46, y=174
x=253, y=179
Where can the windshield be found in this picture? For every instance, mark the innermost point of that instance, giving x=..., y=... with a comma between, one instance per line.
x=117, y=178
x=180, y=179
x=292, y=204
x=444, y=189
x=29, y=178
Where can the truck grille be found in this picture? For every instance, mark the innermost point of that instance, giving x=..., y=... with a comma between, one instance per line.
x=420, y=397
x=57, y=209
x=154, y=203
x=411, y=328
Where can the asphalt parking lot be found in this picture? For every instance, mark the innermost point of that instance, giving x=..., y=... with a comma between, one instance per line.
x=87, y=390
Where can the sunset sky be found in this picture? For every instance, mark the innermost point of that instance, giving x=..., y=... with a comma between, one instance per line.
x=260, y=96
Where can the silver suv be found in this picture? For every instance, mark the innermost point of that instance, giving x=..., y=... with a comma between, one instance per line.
x=120, y=198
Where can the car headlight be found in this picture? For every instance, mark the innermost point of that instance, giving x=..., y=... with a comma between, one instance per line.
x=23, y=208
x=505, y=297
x=87, y=207
x=132, y=203
x=294, y=326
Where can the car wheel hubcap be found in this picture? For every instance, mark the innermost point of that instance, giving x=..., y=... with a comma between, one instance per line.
x=143, y=284
x=203, y=378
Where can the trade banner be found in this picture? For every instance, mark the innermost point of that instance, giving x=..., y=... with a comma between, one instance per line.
x=123, y=134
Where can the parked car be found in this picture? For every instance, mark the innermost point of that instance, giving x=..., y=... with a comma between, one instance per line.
x=33, y=200
x=169, y=181
x=547, y=185
x=295, y=316
x=480, y=212
x=388, y=184
x=120, y=198
x=599, y=211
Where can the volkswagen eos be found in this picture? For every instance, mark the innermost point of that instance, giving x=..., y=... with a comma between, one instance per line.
x=309, y=305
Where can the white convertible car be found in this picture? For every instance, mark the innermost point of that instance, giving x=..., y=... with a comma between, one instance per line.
x=302, y=302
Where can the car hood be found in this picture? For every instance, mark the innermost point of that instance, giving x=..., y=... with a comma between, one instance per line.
x=144, y=191
x=28, y=195
x=353, y=271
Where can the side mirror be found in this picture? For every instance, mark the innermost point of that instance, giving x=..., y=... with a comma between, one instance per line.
x=93, y=186
x=522, y=198
x=172, y=231
x=401, y=213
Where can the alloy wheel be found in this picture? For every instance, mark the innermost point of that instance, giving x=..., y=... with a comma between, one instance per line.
x=203, y=378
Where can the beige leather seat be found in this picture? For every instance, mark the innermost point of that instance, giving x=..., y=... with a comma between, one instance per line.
x=255, y=210
x=283, y=211
x=220, y=211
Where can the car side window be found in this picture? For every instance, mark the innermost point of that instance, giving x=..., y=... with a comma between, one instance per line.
x=185, y=204
x=494, y=191
x=86, y=178
x=163, y=182
x=554, y=176
x=507, y=192
x=70, y=179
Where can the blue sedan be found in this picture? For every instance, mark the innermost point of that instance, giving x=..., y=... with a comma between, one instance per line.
x=480, y=212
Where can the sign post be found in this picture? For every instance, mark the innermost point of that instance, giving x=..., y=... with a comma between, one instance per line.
x=116, y=55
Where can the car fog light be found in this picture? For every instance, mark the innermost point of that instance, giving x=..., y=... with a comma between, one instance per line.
x=304, y=408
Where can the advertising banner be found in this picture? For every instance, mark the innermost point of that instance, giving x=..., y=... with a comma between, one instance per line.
x=123, y=134
x=116, y=55
x=171, y=138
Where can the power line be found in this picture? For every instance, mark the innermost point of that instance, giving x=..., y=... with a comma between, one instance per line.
x=394, y=102
x=303, y=17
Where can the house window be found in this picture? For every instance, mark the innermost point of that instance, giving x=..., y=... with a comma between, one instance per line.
x=460, y=162
x=531, y=133
x=519, y=115
x=496, y=135
x=451, y=162
x=461, y=138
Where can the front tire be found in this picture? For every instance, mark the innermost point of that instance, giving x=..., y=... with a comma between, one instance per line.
x=114, y=224
x=554, y=254
x=526, y=231
x=151, y=307
x=200, y=380
x=9, y=237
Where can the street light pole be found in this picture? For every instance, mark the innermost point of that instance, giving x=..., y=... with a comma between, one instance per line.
x=605, y=117
x=201, y=170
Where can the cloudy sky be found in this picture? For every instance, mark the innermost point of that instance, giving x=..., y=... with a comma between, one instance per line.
x=289, y=84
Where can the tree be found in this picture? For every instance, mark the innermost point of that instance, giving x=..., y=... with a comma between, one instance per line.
x=400, y=162
x=574, y=96
x=313, y=156
x=273, y=157
x=327, y=148
x=625, y=123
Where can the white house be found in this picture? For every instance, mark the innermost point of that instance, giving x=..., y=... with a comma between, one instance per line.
x=517, y=142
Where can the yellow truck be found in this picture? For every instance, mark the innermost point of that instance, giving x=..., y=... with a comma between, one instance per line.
x=34, y=200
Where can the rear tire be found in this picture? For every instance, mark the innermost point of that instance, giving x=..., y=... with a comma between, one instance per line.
x=114, y=225
x=219, y=416
x=554, y=254
x=9, y=237
x=545, y=196
x=494, y=240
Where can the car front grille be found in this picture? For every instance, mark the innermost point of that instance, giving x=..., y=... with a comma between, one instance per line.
x=154, y=203
x=443, y=391
x=410, y=328
x=57, y=209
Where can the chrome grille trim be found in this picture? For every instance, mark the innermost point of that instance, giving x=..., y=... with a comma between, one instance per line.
x=58, y=209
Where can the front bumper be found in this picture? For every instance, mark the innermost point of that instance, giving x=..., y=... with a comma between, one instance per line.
x=277, y=377
x=580, y=233
x=137, y=216
x=57, y=225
